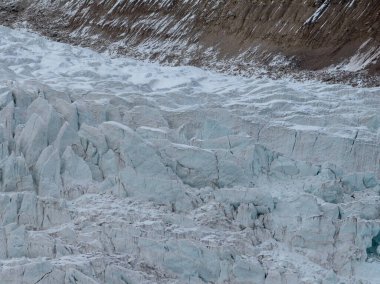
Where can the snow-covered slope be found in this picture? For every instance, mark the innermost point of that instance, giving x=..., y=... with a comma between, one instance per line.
x=120, y=171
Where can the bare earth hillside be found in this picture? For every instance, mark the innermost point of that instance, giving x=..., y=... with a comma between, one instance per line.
x=340, y=39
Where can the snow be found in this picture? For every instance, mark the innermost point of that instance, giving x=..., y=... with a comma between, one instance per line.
x=318, y=13
x=115, y=170
x=361, y=59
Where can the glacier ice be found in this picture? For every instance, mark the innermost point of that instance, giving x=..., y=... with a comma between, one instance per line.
x=119, y=171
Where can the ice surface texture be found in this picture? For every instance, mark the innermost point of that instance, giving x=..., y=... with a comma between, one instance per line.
x=119, y=171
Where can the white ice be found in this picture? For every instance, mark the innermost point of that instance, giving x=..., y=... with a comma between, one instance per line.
x=114, y=170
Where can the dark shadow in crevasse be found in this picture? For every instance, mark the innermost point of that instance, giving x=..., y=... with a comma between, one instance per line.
x=374, y=250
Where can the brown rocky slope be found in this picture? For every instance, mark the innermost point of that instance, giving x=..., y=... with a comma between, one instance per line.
x=342, y=36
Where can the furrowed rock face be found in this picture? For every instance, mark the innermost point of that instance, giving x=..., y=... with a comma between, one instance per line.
x=118, y=171
x=305, y=35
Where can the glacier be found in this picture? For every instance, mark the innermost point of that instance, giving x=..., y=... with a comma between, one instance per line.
x=114, y=170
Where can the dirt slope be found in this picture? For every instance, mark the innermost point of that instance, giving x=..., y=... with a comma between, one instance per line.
x=227, y=34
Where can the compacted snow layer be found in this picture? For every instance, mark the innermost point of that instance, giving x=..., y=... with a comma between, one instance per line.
x=120, y=171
